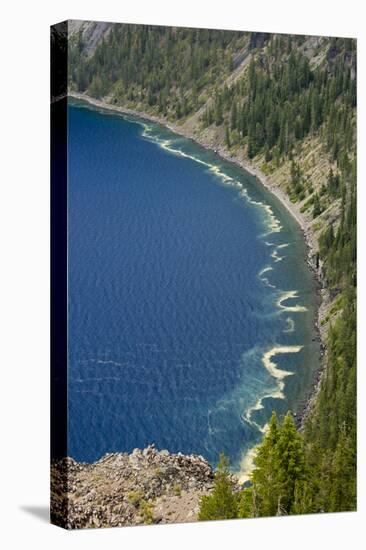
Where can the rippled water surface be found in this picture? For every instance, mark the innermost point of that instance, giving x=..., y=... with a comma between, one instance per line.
x=191, y=307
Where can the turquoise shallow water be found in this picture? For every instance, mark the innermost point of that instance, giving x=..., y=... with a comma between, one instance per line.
x=191, y=307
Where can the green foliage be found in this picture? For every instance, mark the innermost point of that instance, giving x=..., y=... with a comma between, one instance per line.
x=296, y=188
x=283, y=100
x=135, y=497
x=279, y=470
x=265, y=477
x=227, y=137
x=338, y=248
x=222, y=503
x=317, y=209
x=279, y=482
x=247, y=506
x=342, y=495
x=291, y=463
x=280, y=100
x=157, y=68
x=146, y=511
x=330, y=432
x=292, y=475
x=330, y=435
x=333, y=184
x=177, y=489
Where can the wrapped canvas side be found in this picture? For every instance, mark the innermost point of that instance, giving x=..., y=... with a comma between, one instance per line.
x=59, y=273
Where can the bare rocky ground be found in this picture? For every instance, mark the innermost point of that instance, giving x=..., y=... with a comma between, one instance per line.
x=144, y=487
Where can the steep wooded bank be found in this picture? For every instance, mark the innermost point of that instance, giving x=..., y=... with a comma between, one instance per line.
x=286, y=105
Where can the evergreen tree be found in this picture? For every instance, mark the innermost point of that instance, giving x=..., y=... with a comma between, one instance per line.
x=343, y=486
x=291, y=463
x=316, y=206
x=218, y=110
x=265, y=479
x=222, y=503
x=279, y=483
x=234, y=116
x=227, y=137
x=279, y=104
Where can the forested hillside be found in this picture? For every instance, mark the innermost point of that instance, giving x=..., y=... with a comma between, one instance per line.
x=287, y=106
x=158, y=67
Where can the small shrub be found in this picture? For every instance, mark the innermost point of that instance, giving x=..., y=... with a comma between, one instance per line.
x=134, y=498
x=146, y=509
x=177, y=489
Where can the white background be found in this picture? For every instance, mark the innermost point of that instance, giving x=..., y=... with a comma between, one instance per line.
x=24, y=300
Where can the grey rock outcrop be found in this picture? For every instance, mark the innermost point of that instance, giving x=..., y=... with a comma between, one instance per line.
x=145, y=486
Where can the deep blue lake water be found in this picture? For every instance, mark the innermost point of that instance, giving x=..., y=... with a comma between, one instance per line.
x=191, y=307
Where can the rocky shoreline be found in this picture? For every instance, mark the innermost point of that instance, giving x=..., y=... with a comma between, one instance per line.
x=219, y=150
x=294, y=209
x=144, y=487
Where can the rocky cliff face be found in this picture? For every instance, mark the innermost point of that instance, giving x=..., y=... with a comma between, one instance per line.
x=91, y=33
x=145, y=486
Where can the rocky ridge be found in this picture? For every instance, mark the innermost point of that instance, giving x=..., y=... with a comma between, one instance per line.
x=145, y=486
